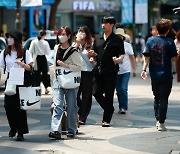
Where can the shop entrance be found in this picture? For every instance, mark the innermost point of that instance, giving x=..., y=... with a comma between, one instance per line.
x=85, y=21
x=89, y=22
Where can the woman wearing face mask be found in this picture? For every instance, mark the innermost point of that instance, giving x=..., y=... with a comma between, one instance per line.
x=13, y=56
x=74, y=64
x=83, y=43
x=39, y=48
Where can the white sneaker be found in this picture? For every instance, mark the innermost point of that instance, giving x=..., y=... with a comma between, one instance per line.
x=161, y=127
x=157, y=124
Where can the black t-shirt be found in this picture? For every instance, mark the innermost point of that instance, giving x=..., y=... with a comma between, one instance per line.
x=106, y=50
x=60, y=54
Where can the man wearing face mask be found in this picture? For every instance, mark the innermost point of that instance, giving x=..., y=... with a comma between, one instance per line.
x=39, y=48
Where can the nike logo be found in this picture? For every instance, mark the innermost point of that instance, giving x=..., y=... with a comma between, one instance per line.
x=66, y=72
x=29, y=104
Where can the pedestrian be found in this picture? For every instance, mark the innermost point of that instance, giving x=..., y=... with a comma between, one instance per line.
x=108, y=47
x=39, y=48
x=17, y=117
x=177, y=43
x=2, y=36
x=74, y=64
x=139, y=47
x=83, y=43
x=127, y=37
x=124, y=73
x=159, y=52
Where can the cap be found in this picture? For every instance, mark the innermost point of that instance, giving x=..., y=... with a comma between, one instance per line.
x=15, y=34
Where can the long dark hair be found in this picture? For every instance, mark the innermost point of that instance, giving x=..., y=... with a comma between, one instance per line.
x=18, y=47
x=68, y=32
x=41, y=34
x=88, y=36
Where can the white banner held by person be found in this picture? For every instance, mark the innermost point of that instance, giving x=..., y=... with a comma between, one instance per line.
x=16, y=76
x=28, y=3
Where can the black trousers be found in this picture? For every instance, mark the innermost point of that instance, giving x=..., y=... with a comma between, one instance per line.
x=84, y=95
x=104, y=94
x=42, y=68
x=17, y=118
x=161, y=91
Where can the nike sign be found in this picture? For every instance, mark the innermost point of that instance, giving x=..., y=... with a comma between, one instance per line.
x=66, y=72
x=29, y=104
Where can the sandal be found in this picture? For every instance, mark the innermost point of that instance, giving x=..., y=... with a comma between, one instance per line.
x=81, y=122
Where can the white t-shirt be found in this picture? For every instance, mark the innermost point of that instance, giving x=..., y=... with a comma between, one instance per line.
x=11, y=59
x=125, y=65
x=39, y=47
x=86, y=65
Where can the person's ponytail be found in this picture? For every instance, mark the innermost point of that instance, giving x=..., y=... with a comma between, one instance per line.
x=41, y=33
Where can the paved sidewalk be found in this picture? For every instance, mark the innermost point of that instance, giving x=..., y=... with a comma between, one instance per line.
x=132, y=133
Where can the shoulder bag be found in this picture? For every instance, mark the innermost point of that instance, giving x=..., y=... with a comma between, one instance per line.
x=66, y=78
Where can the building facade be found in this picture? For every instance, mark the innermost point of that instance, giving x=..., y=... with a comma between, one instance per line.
x=75, y=13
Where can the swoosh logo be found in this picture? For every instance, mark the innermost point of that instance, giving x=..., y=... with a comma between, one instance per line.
x=66, y=72
x=29, y=104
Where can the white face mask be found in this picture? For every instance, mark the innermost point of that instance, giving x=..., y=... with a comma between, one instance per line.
x=10, y=41
x=63, y=39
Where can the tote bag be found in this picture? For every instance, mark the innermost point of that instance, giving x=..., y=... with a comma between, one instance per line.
x=68, y=79
x=30, y=98
x=10, y=89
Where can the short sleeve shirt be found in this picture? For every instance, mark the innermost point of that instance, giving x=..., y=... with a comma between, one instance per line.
x=106, y=50
x=10, y=59
x=160, y=49
x=125, y=65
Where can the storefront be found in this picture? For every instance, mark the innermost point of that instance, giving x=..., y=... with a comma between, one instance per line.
x=77, y=13
x=33, y=18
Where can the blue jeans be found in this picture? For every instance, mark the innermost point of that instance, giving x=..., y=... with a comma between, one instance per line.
x=161, y=91
x=58, y=99
x=122, y=89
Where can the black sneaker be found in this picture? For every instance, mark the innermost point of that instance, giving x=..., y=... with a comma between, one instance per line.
x=105, y=124
x=12, y=133
x=55, y=135
x=70, y=135
x=20, y=137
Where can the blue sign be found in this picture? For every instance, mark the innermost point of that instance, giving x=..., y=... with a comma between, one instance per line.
x=127, y=11
x=7, y=2
x=140, y=1
x=12, y=3
x=48, y=1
